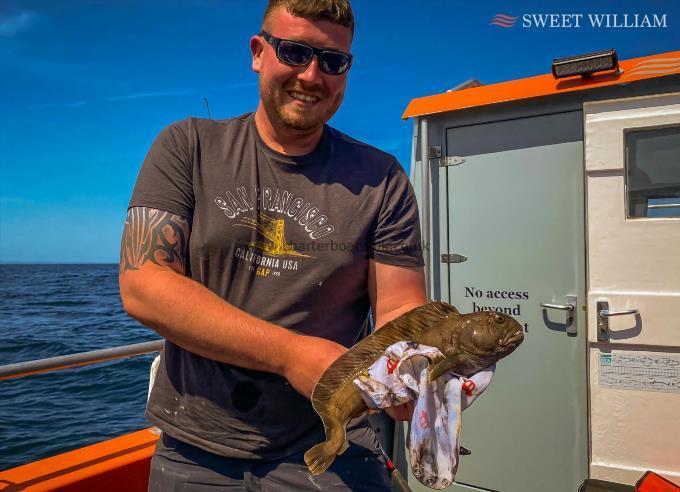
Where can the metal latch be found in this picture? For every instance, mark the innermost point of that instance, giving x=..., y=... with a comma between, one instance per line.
x=452, y=160
x=434, y=152
x=570, y=308
x=453, y=258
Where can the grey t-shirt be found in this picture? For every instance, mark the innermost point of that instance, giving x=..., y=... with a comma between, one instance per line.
x=286, y=239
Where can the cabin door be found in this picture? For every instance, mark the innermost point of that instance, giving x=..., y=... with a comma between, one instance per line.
x=632, y=152
x=516, y=213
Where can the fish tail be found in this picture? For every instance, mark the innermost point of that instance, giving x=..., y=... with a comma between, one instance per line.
x=321, y=456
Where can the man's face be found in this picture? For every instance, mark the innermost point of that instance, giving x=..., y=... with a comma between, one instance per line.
x=282, y=87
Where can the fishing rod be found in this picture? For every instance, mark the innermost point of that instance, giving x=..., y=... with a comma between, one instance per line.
x=398, y=480
x=207, y=107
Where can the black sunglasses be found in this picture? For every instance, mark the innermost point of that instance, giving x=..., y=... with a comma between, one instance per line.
x=300, y=54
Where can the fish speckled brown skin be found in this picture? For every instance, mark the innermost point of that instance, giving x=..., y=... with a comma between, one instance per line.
x=469, y=342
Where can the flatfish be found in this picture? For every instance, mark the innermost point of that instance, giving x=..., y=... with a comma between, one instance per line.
x=468, y=342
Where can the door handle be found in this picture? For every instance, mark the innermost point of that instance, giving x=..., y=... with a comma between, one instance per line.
x=606, y=313
x=563, y=307
x=603, y=315
x=570, y=308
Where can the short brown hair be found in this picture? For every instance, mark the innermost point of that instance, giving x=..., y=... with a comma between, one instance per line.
x=336, y=11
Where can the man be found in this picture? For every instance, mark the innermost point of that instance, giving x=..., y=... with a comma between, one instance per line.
x=255, y=246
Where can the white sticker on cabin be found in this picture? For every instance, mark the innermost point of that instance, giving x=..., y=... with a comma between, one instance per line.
x=642, y=372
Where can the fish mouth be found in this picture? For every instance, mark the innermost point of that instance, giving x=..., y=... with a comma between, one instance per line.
x=513, y=340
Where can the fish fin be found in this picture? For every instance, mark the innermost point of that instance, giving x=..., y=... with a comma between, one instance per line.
x=404, y=328
x=361, y=412
x=321, y=456
x=437, y=368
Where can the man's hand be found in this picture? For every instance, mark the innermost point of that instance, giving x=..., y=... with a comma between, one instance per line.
x=401, y=412
x=307, y=360
x=309, y=357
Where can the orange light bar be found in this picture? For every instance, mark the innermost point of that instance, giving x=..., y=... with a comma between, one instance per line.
x=118, y=464
x=543, y=85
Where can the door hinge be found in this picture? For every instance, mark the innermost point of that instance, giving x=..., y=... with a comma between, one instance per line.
x=453, y=258
x=452, y=160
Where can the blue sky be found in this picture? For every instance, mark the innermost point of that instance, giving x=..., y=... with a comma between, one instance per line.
x=86, y=85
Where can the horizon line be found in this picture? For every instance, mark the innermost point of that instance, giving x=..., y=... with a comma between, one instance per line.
x=3, y=262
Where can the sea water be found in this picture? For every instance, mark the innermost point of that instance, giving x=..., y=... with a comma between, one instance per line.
x=50, y=310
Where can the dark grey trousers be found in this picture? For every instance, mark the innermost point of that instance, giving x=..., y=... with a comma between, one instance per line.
x=177, y=466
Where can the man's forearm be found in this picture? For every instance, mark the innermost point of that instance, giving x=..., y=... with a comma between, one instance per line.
x=394, y=290
x=191, y=316
x=385, y=317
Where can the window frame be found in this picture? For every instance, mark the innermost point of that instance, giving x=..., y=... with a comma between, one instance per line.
x=626, y=166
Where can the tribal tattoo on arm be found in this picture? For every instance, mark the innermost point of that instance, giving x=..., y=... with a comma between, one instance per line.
x=156, y=236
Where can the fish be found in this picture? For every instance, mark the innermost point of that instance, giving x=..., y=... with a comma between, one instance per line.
x=468, y=343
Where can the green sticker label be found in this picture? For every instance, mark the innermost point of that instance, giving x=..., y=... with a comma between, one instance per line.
x=605, y=359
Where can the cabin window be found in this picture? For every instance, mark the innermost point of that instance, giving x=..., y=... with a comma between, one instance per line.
x=653, y=172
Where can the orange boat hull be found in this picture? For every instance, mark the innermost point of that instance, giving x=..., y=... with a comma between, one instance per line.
x=110, y=466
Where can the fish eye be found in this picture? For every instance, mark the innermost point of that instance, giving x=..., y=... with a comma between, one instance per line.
x=499, y=319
